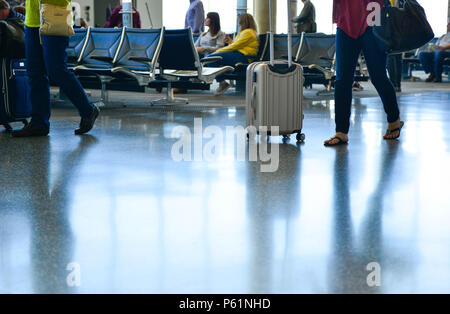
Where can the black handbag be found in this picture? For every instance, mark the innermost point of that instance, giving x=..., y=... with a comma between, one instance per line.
x=12, y=39
x=403, y=29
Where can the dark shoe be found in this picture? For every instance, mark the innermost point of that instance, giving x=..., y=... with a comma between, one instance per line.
x=395, y=130
x=438, y=80
x=398, y=89
x=87, y=124
x=335, y=141
x=31, y=130
x=430, y=78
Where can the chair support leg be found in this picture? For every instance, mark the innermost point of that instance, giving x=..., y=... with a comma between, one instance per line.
x=170, y=98
x=104, y=92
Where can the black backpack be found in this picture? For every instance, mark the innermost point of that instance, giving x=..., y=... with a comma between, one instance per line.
x=12, y=39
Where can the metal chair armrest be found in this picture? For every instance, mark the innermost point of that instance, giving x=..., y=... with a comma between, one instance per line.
x=327, y=72
x=209, y=60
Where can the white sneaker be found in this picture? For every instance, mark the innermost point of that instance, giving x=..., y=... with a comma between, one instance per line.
x=222, y=89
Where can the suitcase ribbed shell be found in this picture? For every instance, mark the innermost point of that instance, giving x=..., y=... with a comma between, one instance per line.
x=275, y=99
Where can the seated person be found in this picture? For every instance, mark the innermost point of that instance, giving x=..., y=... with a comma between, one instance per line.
x=214, y=38
x=209, y=41
x=6, y=13
x=433, y=60
x=115, y=20
x=20, y=9
x=13, y=3
x=241, y=50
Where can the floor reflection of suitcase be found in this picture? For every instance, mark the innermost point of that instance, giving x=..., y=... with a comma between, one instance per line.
x=15, y=103
x=275, y=93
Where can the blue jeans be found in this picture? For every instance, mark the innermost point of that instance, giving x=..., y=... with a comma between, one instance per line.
x=228, y=58
x=347, y=53
x=394, y=66
x=47, y=62
x=433, y=62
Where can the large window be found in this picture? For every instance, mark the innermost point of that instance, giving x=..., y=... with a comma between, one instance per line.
x=436, y=11
x=324, y=12
x=174, y=13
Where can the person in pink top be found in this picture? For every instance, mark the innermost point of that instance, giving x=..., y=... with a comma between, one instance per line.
x=354, y=34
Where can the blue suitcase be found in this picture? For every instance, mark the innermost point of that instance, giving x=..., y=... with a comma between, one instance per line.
x=15, y=102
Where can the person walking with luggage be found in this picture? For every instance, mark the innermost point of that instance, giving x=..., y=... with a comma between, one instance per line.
x=306, y=21
x=46, y=60
x=353, y=36
x=195, y=17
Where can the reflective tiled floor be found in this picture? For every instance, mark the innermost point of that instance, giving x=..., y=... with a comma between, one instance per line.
x=117, y=205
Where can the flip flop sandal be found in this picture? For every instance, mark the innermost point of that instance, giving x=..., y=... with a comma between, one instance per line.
x=339, y=142
x=389, y=132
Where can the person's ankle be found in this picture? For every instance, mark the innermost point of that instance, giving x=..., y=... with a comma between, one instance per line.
x=342, y=135
x=395, y=124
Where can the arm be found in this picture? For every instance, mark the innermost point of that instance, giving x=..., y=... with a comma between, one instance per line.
x=444, y=47
x=221, y=41
x=197, y=43
x=243, y=40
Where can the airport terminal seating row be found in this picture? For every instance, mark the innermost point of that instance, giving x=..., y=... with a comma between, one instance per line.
x=315, y=52
x=139, y=57
x=133, y=59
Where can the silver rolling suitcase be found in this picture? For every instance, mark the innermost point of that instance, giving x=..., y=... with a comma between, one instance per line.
x=275, y=93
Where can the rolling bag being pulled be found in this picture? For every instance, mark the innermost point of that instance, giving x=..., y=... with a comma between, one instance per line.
x=274, y=93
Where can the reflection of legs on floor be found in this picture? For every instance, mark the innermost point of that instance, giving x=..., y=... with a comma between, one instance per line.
x=346, y=275
x=52, y=238
x=372, y=224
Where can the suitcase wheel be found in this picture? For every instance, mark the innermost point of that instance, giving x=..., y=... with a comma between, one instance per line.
x=286, y=137
x=300, y=137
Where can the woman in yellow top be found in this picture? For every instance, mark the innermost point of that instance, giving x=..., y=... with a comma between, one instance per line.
x=241, y=49
x=46, y=61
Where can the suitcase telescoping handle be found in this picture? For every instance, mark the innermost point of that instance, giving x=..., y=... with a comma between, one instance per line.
x=272, y=52
x=289, y=33
x=271, y=32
